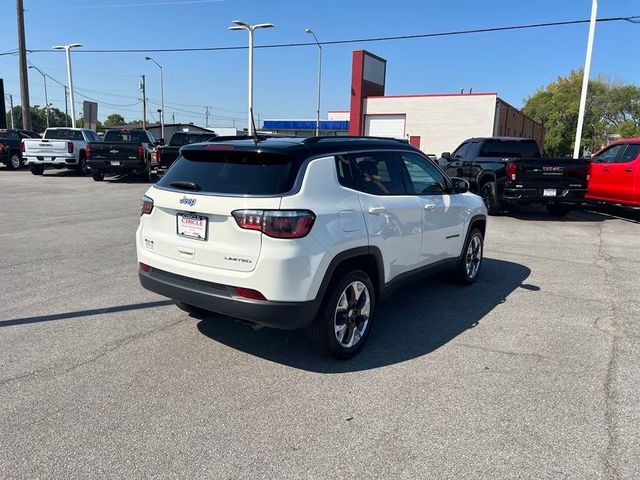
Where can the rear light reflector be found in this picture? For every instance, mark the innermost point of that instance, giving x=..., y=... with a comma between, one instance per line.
x=144, y=267
x=276, y=223
x=140, y=151
x=146, y=205
x=249, y=293
x=70, y=147
x=512, y=169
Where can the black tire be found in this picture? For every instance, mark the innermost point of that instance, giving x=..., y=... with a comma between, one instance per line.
x=98, y=175
x=558, y=210
x=356, y=316
x=37, y=169
x=13, y=161
x=489, y=194
x=472, y=254
x=82, y=168
x=192, y=310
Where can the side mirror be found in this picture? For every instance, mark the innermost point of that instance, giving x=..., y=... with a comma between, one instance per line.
x=160, y=141
x=446, y=155
x=460, y=185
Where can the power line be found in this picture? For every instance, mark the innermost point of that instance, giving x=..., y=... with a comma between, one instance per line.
x=632, y=19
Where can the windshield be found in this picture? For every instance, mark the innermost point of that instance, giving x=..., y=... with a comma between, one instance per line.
x=123, y=136
x=180, y=139
x=63, y=134
x=510, y=149
x=231, y=172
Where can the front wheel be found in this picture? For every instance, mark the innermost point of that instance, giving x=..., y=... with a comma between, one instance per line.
x=344, y=320
x=489, y=194
x=14, y=162
x=98, y=175
x=37, y=169
x=558, y=210
x=468, y=268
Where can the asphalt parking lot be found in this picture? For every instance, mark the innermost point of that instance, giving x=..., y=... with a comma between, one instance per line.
x=532, y=372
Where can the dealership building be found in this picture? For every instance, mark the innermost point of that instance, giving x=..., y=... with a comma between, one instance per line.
x=435, y=123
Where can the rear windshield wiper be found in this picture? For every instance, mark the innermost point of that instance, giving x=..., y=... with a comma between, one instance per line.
x=186, y=185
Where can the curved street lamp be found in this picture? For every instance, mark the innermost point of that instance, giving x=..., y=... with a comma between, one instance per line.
x=67, y=49
x=161, y=96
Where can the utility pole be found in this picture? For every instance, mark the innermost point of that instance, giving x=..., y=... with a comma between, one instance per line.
x=144, y=103
x=66, y=108
x=22, y=60
x=11, y=105
x=206, y=117
x=173, y=118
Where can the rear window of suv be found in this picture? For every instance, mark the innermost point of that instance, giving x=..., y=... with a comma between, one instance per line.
x=510, y=149
x=234, y=172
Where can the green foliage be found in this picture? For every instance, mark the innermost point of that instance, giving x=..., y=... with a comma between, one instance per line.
x=114, y=120
x=612, y=110
x=39, y=118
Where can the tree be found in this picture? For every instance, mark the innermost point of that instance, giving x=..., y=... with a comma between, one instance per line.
x=114, y=120
x=612, y=109
x=39, y=118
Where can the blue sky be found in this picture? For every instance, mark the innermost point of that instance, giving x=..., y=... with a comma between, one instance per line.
x=512, y=63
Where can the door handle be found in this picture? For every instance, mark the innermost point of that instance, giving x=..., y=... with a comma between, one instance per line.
x=630, y=170
x=429, y=206
x=605, y=169
x=377, y=210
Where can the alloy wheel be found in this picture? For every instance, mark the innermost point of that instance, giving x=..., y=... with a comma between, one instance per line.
x=351, y=318
x=474, y=256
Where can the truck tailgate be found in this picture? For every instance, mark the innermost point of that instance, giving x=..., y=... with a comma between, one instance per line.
x=551, y=173
x=114, y=151
x=45, y=148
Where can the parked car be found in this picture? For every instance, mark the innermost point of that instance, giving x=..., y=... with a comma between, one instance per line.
x=504, y=171
x=304, y=233
x=615, y=174
x=123, y=150
x=10, y=153
x=167, y=154
x=60, y=147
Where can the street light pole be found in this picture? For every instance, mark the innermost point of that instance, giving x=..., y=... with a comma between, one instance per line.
x=308, y=30
x=585, y=78
x=238, y=25
x=67, y=49
x=46, y=98
x=161, y=95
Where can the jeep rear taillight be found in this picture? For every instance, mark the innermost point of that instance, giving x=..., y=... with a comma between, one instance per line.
x=512, y=169
x=146, y=205
x=276, y=223
x=140, y=151
x=70, y=147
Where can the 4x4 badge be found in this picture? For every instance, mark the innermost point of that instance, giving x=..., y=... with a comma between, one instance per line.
x=188, y=201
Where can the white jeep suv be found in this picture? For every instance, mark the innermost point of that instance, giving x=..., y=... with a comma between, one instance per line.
x=304, y=233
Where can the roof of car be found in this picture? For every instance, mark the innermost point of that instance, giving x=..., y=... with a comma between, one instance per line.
x=516, y=139
x=306, y=145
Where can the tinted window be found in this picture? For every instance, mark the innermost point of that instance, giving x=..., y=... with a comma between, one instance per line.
x=234, y=172
x=9, y=135
x=378, y=173
x=461, y=151
x=425, y=178
x=630, y=154
x=510, y=148
x=125, y=137
x=180, y=139
x=63, y=134
x=610, y=154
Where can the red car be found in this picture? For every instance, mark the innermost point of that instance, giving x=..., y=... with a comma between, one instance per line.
x=615, y=173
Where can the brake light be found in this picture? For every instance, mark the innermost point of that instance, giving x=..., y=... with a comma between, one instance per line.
x=144, y=267
x=21, y=147
x=512, y=168
x=2, y=147
x=140, y=151
x=70, y=147
x=158, y=156
x=249, y=293
x=87, y=150
x=276, y=223
x=146, y=205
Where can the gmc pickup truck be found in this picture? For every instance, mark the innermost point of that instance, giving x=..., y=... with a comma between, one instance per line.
x=167, y=154
x=123, y=150
x=506, y=171
x=60, y=147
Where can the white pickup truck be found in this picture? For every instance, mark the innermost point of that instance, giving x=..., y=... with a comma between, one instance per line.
x=60, y=147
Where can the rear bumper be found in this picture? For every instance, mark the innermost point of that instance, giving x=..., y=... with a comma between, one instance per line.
x=222, y=299
x=536, y=195
x=122, y=166
x=59, y=161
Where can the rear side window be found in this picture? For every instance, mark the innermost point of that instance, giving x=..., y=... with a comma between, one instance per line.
x=62, y=134
x=510, y=148
x=377, y=173
x=631, y=153
x=234, y=172
x=461, y=151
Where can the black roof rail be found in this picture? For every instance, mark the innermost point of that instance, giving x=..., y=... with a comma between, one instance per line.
x=339, y=138
x=259, y=136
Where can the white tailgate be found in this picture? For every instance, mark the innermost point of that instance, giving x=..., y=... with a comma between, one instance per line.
x=45, y=148
x=226, y=246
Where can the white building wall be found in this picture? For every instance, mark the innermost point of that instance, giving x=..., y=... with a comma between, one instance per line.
x=338, y=115
x=441, y=121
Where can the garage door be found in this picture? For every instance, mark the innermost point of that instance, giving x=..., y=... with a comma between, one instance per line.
x=384, y=125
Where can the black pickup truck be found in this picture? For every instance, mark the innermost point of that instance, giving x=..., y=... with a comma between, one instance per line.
x=123, y=150
x=504, y=171
x=11, y=148
x=167, y=154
